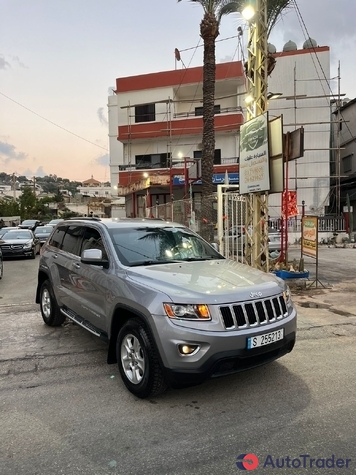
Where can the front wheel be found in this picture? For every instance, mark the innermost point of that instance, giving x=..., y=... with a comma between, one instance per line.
x=138, y=361
x=50, y=311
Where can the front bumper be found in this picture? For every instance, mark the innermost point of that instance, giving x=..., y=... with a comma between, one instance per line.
x=220, y=353
x=17, y=252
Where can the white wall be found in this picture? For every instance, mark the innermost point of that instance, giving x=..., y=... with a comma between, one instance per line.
x=299, y=74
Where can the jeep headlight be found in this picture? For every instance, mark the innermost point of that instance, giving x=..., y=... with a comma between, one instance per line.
x=28, y=245
x=187, y=311
x=287, y=296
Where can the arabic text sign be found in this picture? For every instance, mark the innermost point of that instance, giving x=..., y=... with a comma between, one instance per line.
x=310, y=236
x=254, y=155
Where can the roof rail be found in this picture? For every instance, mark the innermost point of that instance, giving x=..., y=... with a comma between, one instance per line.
x=86, y=218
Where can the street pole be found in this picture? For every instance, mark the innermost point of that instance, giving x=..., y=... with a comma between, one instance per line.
x=257, y=203
x=301, y=231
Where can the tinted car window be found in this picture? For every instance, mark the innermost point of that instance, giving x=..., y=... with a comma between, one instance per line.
x=43, y=229
x=72, y=239
x=57, y=237
x=93, y=240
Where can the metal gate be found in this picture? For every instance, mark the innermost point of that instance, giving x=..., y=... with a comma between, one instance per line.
x=231, y=222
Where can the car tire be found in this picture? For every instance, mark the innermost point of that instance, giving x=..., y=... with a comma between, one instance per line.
x=138, y=361
x=1, y=270
x=33, y=254
x=50, y=311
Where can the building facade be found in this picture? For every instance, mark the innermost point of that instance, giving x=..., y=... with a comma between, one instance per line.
x=155, y=130
x=344, y=164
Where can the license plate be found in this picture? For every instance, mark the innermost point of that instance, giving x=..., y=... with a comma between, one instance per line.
x=265, y=339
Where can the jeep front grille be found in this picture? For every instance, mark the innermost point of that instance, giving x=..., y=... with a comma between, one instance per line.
x=260, y=312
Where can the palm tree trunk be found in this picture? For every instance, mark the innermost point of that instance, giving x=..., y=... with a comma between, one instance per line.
x=209, y=31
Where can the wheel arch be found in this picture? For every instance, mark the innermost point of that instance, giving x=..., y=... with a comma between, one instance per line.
x=42, y=277
x=121, y=315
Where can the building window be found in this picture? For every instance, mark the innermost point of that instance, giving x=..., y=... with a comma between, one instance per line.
x=154, y=160
x=217, y=155
x=199, y=110
x=145, y=113
x=347, y=163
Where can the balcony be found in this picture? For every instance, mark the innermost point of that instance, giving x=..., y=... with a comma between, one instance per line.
x=179, y=127
x=165, y=165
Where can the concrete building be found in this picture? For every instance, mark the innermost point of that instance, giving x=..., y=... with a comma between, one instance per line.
x=94, y=188
x=155, y=129
x=303, y=77
x=344, y=165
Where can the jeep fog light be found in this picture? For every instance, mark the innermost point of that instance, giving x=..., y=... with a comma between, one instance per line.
x=187, y=349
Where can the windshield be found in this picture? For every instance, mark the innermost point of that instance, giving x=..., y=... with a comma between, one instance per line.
x=17, y=235
x=146, y=245
x=43, y=229
x=29, y=221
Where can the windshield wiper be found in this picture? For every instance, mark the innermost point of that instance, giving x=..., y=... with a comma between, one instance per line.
x=152, y=262
x=208, y=258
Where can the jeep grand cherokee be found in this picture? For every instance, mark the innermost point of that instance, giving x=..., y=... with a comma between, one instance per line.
x=173, y=310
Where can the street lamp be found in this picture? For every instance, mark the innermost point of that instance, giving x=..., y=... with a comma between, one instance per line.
x=249, y=11
x=274, y=95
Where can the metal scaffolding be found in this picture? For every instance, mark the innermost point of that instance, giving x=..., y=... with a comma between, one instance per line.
x=256, y=73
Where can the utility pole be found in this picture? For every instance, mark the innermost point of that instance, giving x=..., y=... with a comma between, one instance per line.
x=257, y=68
x=338, y=141
x=14, y=186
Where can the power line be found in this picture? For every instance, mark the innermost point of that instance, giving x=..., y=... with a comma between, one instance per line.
x=53, y=123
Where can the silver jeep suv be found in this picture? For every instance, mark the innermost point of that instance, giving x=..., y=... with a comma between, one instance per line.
x=173, y=310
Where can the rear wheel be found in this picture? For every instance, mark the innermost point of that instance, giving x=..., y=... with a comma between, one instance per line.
x=50, y=311
x=1, y=269
x=138, y=361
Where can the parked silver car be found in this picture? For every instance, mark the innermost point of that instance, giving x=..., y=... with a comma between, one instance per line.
x=173, y=310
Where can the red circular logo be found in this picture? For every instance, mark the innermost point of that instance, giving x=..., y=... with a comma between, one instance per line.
x=247, y=462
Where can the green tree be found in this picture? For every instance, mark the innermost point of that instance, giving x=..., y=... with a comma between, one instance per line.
x=28, y=203
x=9, y=207
x=214, y=10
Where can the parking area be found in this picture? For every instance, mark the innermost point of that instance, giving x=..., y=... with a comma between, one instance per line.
x=18, y=285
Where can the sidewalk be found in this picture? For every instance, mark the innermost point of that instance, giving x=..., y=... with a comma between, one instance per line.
x=335, y=306
x=330, y=302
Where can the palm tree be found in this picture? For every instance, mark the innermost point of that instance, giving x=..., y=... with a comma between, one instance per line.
x=214, y=10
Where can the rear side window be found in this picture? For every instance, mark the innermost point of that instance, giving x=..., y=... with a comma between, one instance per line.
x=57, y=237
x=72, y=239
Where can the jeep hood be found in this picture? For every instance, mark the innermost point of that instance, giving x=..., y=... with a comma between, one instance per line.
x=215, y=281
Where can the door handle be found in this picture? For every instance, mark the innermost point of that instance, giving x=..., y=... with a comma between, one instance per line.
x=76, y=265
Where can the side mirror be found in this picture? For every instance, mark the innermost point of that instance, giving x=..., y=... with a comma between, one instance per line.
x=215, y=246
x=94, y=257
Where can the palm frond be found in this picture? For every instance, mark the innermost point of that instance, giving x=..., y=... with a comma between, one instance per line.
x=275, y=10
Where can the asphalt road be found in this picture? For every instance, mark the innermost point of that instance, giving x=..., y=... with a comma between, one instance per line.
x=63, y=410
x=18, y=285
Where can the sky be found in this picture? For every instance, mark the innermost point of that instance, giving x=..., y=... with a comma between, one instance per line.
x=59, y=60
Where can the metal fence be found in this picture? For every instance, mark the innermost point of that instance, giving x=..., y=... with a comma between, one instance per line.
x=326, y=224
x=229, y=214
